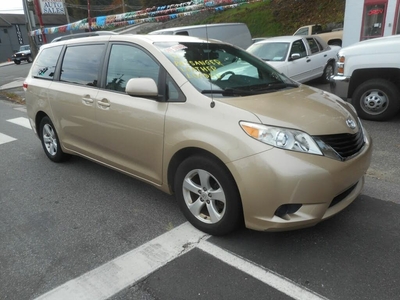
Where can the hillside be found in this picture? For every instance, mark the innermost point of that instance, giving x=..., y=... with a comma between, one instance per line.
x=270, y=17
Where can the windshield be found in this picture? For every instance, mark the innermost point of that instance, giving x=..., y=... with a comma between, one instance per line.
x=24, y=48
x=270, y=51
x=223, y=69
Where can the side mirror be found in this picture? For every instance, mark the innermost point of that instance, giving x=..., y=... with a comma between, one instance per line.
x=146, y=87
x=294, y=56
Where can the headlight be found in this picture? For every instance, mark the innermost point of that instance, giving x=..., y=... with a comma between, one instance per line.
x=340, y=64
x=284, y=138
x=23, y=54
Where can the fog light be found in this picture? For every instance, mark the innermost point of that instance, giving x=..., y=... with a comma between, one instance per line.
x=287, y=209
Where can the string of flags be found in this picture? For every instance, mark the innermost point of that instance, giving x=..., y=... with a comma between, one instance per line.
x=148, y=15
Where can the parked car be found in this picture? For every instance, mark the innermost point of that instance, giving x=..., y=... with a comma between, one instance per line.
x=237, y=34
x=231, y=137
x=368, y=74
x=331, y=37
x=301, y=58
x=24, y=53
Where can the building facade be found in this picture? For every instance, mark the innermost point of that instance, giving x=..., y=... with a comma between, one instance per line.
x=14, y=33
x=367, y=19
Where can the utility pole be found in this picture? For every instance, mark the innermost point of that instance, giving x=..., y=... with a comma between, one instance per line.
x=29, y=26
x=66, y=14
x=89, y=17
x=39, y=14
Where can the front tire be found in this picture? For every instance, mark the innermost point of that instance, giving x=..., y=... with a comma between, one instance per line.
x=208, y=196
x=50, y=142
x=17, y=62
x=376, y=100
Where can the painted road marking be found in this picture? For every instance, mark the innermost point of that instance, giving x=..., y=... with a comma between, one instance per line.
x=21, y=121
x=5, y=138
x=131, y=267
x=278, y=282
x=125, y=270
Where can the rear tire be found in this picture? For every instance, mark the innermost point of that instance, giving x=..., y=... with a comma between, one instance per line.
x=328, y=72
x=208, y=196
x=29, y=59
x=376, y=100
x=50, y=142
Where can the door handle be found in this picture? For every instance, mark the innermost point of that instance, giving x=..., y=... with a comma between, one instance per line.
x=325, y=55
x=104, y=103
x=87, y=100
x=308, y=60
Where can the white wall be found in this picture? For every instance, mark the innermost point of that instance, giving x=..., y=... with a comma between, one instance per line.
x=352, y=22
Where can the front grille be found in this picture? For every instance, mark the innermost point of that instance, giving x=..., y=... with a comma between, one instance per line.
x=345, y=144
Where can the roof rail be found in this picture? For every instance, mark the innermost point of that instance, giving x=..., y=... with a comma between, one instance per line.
x=81, y=35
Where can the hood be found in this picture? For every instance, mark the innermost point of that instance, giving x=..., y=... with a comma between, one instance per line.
x=304, y=108
x=24, y=52
x=387, y=44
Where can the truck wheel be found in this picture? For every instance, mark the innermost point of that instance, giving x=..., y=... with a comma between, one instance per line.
x=207, y=195
x=17, y=62
x=328, y=72
x=29, y=60
x=376, y=100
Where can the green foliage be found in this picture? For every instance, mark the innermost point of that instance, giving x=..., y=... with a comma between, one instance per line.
x=264, y=18
x=281, y=17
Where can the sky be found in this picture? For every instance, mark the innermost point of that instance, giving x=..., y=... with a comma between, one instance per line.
x=11, y=7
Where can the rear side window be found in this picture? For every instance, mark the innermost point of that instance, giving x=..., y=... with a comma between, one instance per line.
x=313, y=45
x=45, y=64
x=81, y=64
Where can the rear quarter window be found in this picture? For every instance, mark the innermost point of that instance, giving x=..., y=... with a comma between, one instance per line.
x=81, y=64
x=45, y=64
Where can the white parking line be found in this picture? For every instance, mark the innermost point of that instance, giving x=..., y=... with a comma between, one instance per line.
x=21, y=121
x=269, y=277
x=127, y=269
x=5, y=138
x=114, y=276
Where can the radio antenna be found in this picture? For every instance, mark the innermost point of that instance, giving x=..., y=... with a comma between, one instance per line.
x=212, y=104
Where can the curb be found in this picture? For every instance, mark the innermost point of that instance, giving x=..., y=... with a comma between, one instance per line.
x=7, y=63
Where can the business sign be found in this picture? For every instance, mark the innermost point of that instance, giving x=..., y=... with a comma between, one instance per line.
x=52, y=7
x=19, y=34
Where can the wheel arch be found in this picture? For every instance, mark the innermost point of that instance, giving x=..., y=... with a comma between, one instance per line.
x=335, y=42
x=183, y=154
x=362, y=75
x=39, y=116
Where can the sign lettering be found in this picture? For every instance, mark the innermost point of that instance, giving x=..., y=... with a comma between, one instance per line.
x=54, y=7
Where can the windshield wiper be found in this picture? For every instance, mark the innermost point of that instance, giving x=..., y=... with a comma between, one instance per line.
x=230, y=92
x=273, y=86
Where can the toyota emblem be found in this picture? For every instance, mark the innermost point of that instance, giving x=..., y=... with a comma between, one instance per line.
x=351, y=124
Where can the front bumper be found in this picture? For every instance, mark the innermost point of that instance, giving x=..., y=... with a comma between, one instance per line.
x=339, y=85
x=21, y=58
x=320, y=186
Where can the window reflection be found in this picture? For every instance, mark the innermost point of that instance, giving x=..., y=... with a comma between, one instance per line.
x=81, y=64
x=45, y=63
x=128, y=62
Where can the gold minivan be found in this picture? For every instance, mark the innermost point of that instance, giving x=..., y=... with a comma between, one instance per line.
x=234, y=140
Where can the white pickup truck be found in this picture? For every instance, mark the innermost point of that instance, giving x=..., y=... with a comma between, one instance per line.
x=368, y=73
